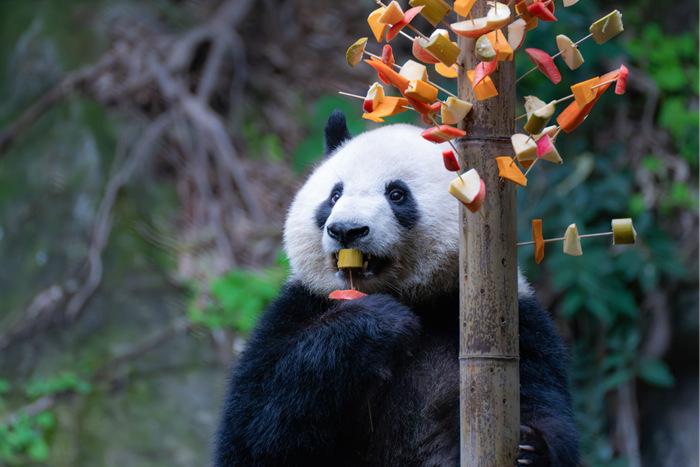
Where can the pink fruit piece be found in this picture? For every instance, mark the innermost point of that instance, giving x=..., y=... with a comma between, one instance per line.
x=621, y=84
x=349, y=294
x=482, y=70
x=421, y=54
x=407, y=18
x=545, y=63
x=539, y=10
x=450, y=161
x=388, y=55
x=544, y=145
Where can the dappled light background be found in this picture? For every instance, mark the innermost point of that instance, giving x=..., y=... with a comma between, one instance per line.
x=149, y=150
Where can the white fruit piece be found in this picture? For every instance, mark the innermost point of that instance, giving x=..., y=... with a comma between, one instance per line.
x=572, y=241
x=525, y=148
x=623, y=232
x=483, y=49
x=498, y=15
x=568, y=3
x=466, y=188
x=453, y=110
x=569, y=52
x=374, y=97
x=412, y=70
x=516, y=33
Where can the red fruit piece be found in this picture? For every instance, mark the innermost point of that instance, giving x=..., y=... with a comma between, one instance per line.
x=350, y=294
x=388, y=55
x=621, y=84
x=545, y=63
x=479, y=200
x=442, y=133
x=482, y=70
x=539, y=10
x=450, y=161
x=421, y=54
x=407, y=18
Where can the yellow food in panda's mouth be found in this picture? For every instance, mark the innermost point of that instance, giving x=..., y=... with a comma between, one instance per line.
x=350, y=258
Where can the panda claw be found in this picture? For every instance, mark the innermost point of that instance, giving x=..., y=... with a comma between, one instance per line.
x=526, y=447
x=524, y=461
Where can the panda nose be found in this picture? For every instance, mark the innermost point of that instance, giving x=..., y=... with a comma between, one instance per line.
x=346, y=232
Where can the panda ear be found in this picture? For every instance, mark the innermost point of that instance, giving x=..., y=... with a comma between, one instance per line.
x=336, y=131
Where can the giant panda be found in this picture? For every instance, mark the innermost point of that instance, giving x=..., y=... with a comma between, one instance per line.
x=375, y=381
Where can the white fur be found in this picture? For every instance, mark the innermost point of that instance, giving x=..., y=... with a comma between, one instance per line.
x=424, y=258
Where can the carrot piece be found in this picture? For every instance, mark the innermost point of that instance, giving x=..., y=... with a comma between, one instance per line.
x=392, y=77
x=509, y=170
x=584, y=92
x=446, y=71
x=539, y=240
x=442, y=133
x=499, y=42
x=573, y=115
x=378, y=29
x=485, y=89
x=390, y=105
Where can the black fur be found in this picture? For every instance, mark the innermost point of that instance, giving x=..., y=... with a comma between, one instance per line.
x=372, y=382
x=324, y=209
x=336, y=131
x=405, y=211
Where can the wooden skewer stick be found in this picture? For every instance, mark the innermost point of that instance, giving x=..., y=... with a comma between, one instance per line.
x=409, y=26
x=576, y=44
x=352, y=286
x=561, y=239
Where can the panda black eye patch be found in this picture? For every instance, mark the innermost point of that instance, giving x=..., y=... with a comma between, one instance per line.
x=402, y=203
x=324, y=209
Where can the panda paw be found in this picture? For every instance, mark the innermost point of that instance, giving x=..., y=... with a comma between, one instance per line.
x=532, y=449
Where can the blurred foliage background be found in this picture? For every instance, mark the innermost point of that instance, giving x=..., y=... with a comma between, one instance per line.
x=148, y=151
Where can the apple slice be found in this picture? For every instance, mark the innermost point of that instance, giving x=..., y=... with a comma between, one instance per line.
x=538, y=9
x=623, y=232
x=569, y=52
x=392, y=13
x=421, y=91
x=463, y=7
x=480, y=197
x=466, y=188
x=349, y=294
x=621, y=84
x=484, y=50
x=374, y=97
x=568, y=3
x=539, y=240
x=350, y=258
x=551, y=130
x=450, y=161
x=354, y=53
x=607, y=27
x=471, y=27
x=516, y=33
x=537, y=117
x=485, y=89
x=442, y=133
x=412, y=70
x=407, y=18
x=434, y=11
x=483, y=70
x=525, y=147
x=378, y=29
x=546, y=150
x=545, y=63
x=388, y=55
x=572, y=241
x=509, y=170
x=498, y=15
x=441, y=47
x=421, y=54
x=584, y=92
x=446, y=71
x=453, y=110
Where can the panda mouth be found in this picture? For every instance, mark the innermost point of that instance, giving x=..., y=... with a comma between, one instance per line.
x=372, y=267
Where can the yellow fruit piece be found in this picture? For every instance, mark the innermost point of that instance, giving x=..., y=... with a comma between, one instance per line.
x=584, y=92
x=378, y=29
x=355, y=52
x=463, y=7
x=500, y=44
x=392, y=14
x=538, y=117
x=453, y=110
x=485, y=89
x=441, y=47
x=607, y=27
x=466, y=188
x=389, y=106
x=350, y=258
x=446, y=71
x=434, y=10
x=412, y=70
x=572, y=241
x=525, y=147
x=623, y=232
x=422, y=91
x=509, y=170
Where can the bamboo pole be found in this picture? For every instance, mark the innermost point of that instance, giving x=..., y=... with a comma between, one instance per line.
x=489, y=373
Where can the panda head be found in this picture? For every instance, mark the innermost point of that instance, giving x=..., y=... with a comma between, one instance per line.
x=383, y=192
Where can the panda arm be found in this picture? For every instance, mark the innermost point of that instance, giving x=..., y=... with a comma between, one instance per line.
x=309, y=367
x=544, y=394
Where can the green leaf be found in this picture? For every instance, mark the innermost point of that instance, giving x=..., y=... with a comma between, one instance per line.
x=655, y=372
